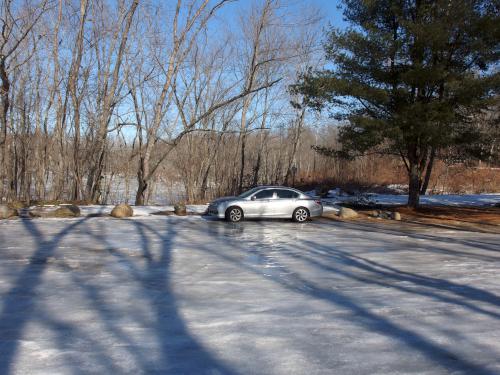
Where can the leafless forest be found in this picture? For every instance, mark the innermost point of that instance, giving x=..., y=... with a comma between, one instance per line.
x=106, y=100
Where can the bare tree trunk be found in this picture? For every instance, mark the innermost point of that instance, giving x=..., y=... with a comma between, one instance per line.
x=262, y=137
x=416, y=162
x=296, y=138
x=4, y=99
x=109, y=102
x=428, y=172
x=72, y=82
x=142, y=184
x=242, y=160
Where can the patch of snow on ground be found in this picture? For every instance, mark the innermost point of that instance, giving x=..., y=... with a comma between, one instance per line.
x=473, y=200
x=139, y=210
x=399, y=188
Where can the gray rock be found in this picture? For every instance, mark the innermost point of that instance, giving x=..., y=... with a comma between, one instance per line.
x=373, y=213
x=7, y=212
x=37, y=212
x=396, y=216
x=385, y=215
x=347, y=213
x=63, y=211
x=68, y=210
x=180, y=209
x=122, y=210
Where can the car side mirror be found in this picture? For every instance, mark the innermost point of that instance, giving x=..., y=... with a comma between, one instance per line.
x=253, y=198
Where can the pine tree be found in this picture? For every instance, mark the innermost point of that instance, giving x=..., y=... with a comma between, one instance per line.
x=408, y=78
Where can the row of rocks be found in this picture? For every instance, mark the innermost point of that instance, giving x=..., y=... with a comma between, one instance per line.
x=61, y=211
x=349, y=213
x=7, y=211
x=68, y=210
x=388, y=215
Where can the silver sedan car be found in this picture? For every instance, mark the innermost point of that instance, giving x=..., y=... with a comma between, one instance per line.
x=266, y=202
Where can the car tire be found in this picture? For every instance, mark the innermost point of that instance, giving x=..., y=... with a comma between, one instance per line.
x=234, y=214
x=300, y=214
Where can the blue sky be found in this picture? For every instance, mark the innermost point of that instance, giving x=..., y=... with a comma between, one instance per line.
x=331, y=13
x=328, y=8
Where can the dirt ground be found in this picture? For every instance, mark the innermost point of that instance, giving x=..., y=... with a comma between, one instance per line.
x=484, y=219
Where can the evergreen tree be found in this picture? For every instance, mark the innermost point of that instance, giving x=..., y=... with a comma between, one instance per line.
x=408, y=78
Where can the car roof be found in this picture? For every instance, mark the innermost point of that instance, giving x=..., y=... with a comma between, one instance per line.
x=277, y=187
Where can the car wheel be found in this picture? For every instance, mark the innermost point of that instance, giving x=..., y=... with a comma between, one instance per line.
x=300, y=214
x=234, y=214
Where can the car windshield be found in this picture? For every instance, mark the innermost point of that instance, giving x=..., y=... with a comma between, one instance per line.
x=246, y=194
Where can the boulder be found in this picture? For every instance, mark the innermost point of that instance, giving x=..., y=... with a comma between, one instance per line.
x=385, y=215
x=347, y=213
x=396, y=216
x=180, y=209
x=122, y=210
x=37, y=212
x=68, y=210
x=63, y=211
x=372, y=213
x=7, y=212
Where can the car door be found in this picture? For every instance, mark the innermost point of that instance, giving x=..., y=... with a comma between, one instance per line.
x=286, y=202
x=272, y=206
x=278, y=203
x=259, y=203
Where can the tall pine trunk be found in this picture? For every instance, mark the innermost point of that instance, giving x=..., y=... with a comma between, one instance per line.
x=414, y=185
x=428, y=172
x=414, y=176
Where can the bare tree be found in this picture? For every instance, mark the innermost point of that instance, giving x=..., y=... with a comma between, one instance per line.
x=76, y=98
x=109, y=62
x=16, y=27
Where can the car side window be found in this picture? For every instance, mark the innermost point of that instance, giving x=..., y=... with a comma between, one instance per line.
x=265, y=194
x=287, y=194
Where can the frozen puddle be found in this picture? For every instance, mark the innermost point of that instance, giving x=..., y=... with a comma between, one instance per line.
x=170, y=295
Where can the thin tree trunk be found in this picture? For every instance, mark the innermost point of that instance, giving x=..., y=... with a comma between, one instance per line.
x=73, y=78
x=296, y=139
x=142, y=184
x=4, y=99
x=110, y=92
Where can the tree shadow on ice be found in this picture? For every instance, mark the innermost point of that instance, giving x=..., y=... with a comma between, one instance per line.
x=492, y=246
x=362, y=271
x=348, y=265
x=172, y=349
x=181, y=352
x=18, y=304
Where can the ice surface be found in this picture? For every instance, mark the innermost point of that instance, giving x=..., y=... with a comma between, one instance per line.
x=172, y=295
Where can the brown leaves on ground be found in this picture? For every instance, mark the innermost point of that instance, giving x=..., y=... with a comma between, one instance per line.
x=484, y=219
x=462, y=217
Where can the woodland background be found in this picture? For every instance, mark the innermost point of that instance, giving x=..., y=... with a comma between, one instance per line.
x=152, y=102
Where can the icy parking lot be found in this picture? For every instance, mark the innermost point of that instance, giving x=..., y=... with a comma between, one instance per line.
x=171, y=295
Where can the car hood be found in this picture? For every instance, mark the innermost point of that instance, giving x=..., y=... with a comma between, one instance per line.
x=224, y=199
